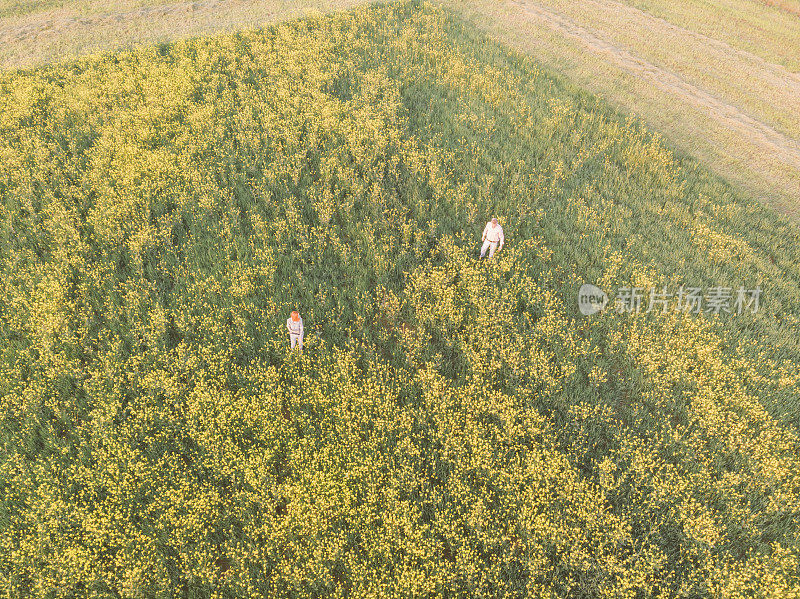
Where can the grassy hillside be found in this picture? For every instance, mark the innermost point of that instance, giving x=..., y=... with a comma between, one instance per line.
x=717, y=78
x=454, y=427
x=17, y=8
x=37, y=32
x=767, y=28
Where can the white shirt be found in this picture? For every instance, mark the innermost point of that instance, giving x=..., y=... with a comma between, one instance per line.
x=494, y=234
x=295, y=328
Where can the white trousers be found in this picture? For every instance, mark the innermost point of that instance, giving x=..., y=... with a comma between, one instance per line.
x=296, y=340
x=488, y=245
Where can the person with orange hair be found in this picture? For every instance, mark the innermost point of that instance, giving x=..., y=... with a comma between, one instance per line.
x=295, y=325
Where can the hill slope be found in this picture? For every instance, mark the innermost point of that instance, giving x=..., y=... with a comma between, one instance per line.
x=454, y=427
x=719, y=79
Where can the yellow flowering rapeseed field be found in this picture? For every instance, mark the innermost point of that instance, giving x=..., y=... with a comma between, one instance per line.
x=453, y=427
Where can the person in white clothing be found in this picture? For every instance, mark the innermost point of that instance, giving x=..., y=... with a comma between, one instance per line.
x=295, y=325
x=492, y=236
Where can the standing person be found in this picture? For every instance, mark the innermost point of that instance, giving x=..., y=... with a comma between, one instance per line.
x=295, y=325
x=492, y=235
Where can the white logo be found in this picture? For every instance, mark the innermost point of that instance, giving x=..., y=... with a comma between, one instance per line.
x=591, y=299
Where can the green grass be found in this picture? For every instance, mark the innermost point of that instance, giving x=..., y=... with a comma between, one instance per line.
x=454, y=427
x=759, y=88
x=751, y=89
x=761, y=27
x=34, y=34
